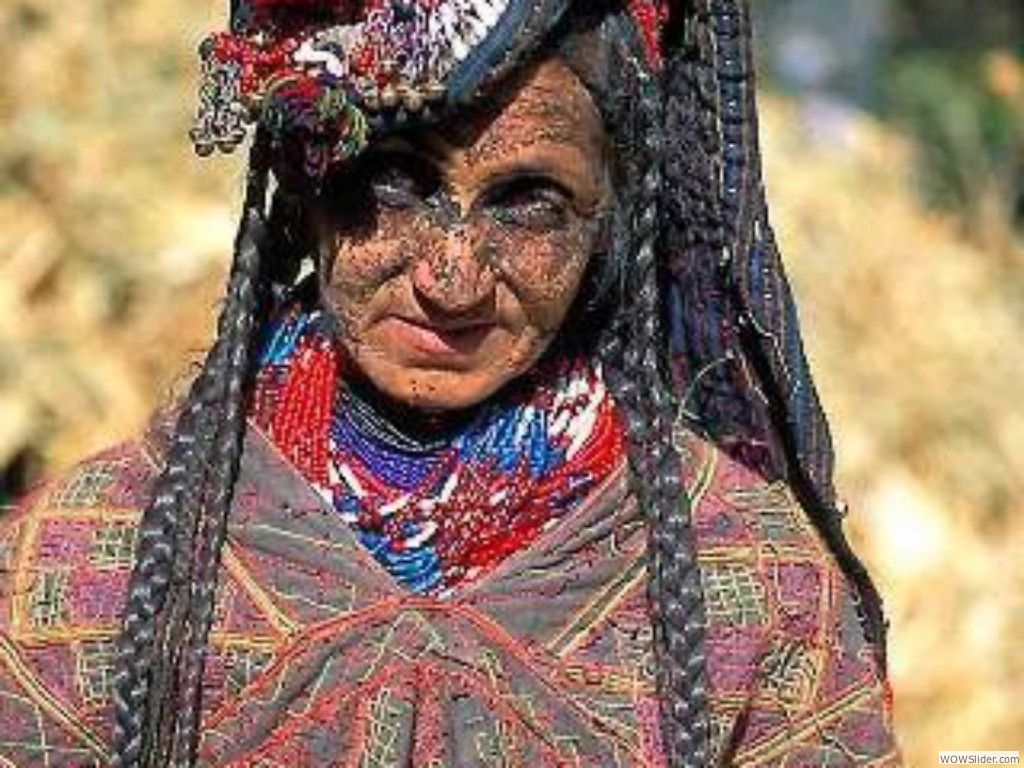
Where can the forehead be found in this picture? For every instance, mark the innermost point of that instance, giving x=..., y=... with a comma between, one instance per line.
x=545, y=105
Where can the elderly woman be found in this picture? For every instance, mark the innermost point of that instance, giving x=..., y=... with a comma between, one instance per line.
x=506, y=452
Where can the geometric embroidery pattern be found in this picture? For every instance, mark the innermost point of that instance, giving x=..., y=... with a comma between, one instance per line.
x=242, y=665
x=113, y=545
x=49, y=601
x=634, y=644
x=733, y=594
x=88, y=485
x=777, y=523
x=95, y=671
x=494, y=747
x=721, y=730
x=788, y=672
x=773, y=508
x=384, y=730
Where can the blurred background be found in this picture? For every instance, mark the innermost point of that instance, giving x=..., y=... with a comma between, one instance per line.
x=894, y=147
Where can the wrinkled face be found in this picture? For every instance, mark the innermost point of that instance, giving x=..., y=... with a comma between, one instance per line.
x=453, y=254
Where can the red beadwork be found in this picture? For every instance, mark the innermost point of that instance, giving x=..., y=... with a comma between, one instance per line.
x=650, y=16
x=302, y=408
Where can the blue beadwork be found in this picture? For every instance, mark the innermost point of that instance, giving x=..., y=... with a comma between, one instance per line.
x=392, y=465
x=283, y=338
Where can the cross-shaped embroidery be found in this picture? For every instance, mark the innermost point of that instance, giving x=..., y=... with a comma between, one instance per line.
x=733, y=594
x=113, y=545
x=95, y=670
x=50, y=599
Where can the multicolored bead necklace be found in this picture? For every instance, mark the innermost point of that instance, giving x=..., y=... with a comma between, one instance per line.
x=440, y=511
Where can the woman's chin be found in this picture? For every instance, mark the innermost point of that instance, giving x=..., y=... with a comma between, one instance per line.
x=434, y=386
x=444, y=379
x=437, y=390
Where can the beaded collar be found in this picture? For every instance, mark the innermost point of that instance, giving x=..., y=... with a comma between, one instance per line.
x=436, y=511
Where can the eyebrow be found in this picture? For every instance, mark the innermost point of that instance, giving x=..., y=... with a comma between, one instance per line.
x=539, y=164
x=554, y=107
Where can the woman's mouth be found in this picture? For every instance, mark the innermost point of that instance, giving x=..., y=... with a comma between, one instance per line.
x=454, y=340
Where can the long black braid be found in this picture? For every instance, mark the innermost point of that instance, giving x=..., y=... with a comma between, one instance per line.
x=739, y=358
x=170, y=595
x=606, y=52
x=634, y=363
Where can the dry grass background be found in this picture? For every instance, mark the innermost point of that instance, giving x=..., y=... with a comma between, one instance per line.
x=114, y=238
x=916, y=339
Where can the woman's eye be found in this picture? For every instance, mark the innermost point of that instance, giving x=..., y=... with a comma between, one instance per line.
x=536, y=204
x=396, y=189
x=400, y=182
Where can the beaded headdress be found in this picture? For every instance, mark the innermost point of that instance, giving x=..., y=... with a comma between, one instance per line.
x=326, y=73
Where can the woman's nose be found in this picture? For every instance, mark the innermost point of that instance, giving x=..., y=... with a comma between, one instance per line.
x=451, y=277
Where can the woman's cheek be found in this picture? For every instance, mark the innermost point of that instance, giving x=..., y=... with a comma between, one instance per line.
x=544, y=273
x=363, y=261
x=360, y=273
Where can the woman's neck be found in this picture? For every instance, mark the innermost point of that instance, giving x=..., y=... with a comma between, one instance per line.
x=399, y=425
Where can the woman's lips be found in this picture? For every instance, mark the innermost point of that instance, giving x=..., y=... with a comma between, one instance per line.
x=436, y=340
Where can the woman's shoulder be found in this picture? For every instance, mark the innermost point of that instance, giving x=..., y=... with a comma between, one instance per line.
x=79, y=522
x=75, y=523
x=735, y=509
x=762, y=556
x=116, y=479
x=788, y=652
x=66, y=552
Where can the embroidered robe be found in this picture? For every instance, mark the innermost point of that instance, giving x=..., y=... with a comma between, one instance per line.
x=318, y=658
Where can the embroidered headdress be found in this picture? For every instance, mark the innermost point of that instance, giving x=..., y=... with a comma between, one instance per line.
x=326, y=73
x=708, y=338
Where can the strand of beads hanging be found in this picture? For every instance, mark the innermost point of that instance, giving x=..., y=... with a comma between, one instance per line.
x=317, y=73
x=651, y=16
x=438, y=514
